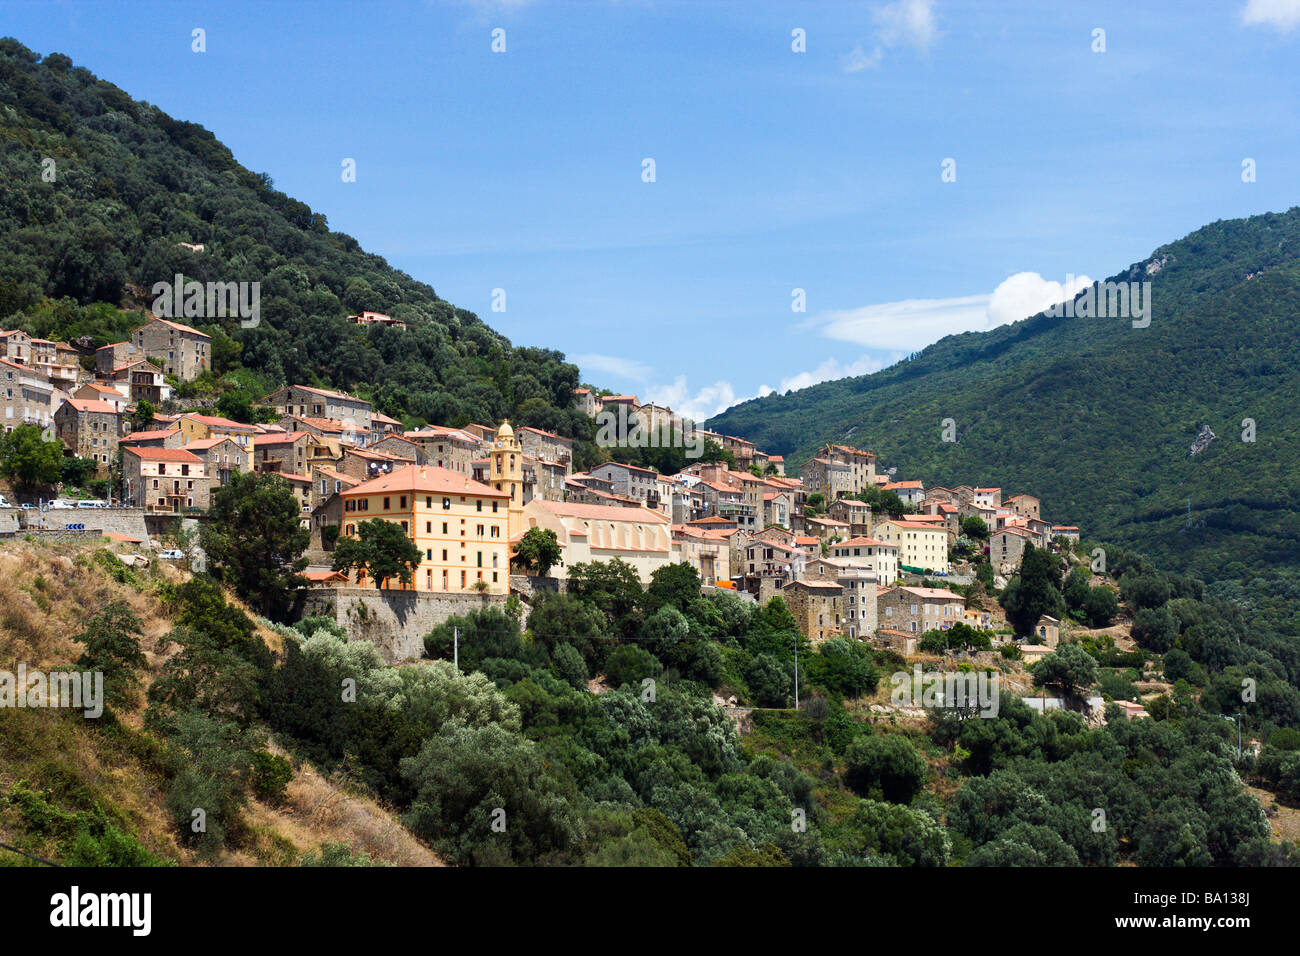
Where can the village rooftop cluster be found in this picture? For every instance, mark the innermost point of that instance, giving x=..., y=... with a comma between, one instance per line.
x=466, y=495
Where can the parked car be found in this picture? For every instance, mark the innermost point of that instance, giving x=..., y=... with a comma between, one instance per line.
x=91, y=503
x=4, y=502
x=59, y=504
x=172, y=554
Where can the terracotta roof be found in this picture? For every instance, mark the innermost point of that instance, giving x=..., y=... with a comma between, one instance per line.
x=148, y=435
x=324, y=576
x=425, y=478
x=165, y=454
x=91, y=405
x=225, y=424
x=569, y=509
x=278, y=438
x=115, y=536
x=203, y=444
x=863, y=542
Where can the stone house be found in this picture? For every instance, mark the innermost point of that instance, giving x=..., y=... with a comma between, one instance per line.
x=89, y=429
x=164, y=479
x=816, y=606
x=917, y=610
x=304, y=401
x=176, y=349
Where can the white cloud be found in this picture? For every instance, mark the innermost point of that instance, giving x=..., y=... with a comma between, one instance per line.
x=1027, y=293
x=613, y=365
x=705, y=403
x=911, y=324
x=833, y=369
x=857, y=61
x=1283, y=15
x=904, y=22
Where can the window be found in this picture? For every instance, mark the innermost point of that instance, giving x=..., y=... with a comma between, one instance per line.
x=444, y=527
x=494, y=506
x=428, y=527
x=444, y=554
x=385, y=503
x=479, y=503
x=402, y=502
x=446, y=506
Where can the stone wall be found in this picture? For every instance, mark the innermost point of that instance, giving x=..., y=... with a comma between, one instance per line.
x=127, y=521
x=59, y=535
x=526, y=586
x=394, y=621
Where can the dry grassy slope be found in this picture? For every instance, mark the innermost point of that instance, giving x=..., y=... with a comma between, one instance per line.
x=46, y=593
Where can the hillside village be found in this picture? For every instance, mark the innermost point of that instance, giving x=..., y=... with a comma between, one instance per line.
x=466, y=495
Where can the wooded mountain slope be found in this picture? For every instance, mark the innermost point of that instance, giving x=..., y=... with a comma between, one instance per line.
x=1097, y=417
x=130, y=183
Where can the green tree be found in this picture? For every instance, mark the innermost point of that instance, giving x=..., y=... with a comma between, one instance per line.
x=254, y=539
x=28, y=460
x=538, y=551
x=889, y=764
x=483, y=795
x=382, y=549
x=1035, y=591
x=1100, y=606
x=673, y=585
x=1069, y=668
x=975, y=528
x=77, y=471
x=1155, y=629
x=144, y=415
x=112, y=639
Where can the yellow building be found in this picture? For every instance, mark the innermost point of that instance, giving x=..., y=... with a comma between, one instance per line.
x=506, y=473
x=461, y=526
x=211, y=426
x=921, y=546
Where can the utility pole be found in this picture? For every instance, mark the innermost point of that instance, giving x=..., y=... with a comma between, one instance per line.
x=1236, y=719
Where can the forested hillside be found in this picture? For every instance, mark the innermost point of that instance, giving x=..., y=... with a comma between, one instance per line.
x=1097, y=417
x=130, y=183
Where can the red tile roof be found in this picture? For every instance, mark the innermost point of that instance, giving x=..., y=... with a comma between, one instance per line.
x=425, y=478
x=164, y=454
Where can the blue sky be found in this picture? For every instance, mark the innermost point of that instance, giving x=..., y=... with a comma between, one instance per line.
x=775, y=170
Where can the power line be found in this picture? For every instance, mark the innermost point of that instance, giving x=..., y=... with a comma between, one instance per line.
x=30, y=856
